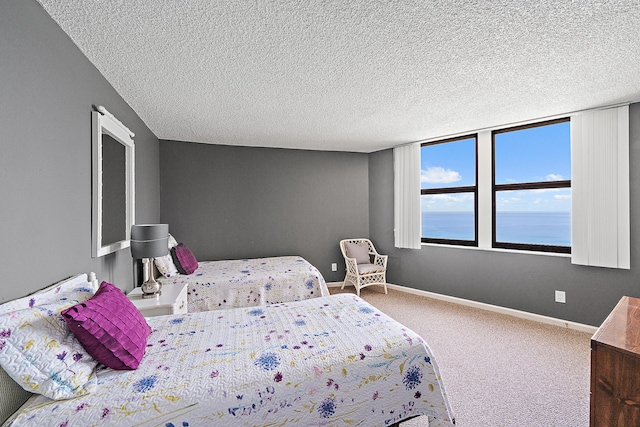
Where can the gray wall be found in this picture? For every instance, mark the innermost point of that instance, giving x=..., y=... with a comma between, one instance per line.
x=514, y=280
x=47, y=87
x=229, y=202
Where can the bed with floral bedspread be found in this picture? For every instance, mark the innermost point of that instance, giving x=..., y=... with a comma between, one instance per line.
x=333, y=360
x=250, y=282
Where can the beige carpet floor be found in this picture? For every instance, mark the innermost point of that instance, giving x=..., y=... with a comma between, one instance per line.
x=498, y=370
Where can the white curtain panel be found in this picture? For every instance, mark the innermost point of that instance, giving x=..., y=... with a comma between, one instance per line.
x=406, y=196
x=600, y=230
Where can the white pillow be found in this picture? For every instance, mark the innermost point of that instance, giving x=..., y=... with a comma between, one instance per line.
x=172, y=241
x=50, y=293
x=359, y=252
x=38, y=350
x=165, y=264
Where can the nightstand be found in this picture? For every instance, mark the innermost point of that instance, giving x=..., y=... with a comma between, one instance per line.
x=172, y=300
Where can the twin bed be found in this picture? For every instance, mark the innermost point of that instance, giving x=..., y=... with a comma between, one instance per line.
x=322, y=360
x=249, y=282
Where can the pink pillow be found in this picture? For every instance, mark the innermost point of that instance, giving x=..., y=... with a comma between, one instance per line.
x=110, y=327
x=185, y=261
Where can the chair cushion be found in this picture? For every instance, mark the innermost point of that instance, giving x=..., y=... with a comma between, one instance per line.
x=369, y=268
x=110, y=327
x=358, y=251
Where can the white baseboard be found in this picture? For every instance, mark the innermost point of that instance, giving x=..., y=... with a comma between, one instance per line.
x=334, y=284
x=489, y=307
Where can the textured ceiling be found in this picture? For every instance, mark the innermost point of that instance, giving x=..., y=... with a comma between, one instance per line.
x=354, y=75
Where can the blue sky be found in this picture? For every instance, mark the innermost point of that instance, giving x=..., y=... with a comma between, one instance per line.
x=529, y=155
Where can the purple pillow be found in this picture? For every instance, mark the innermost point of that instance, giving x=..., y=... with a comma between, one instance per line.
x=183, y=258
x=110, y=327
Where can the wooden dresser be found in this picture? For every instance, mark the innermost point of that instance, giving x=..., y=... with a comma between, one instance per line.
x=615, y=368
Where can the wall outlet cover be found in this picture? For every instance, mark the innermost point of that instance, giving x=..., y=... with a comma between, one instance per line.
x=561, y=297
x=334, y=266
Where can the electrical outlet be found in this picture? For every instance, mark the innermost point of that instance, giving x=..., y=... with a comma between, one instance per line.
x=561, y=297
x=334, y=266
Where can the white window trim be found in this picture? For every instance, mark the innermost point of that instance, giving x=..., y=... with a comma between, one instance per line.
x=485, y=197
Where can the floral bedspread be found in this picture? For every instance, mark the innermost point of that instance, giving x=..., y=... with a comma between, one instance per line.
x=250, y=282
x=332, y=360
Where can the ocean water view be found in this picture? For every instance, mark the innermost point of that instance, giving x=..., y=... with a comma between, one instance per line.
x=542, y=228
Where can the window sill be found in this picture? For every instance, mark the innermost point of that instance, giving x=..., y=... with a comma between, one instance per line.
x=511, y=251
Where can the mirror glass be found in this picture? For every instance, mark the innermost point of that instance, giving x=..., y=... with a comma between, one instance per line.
x=113, y=184
x=114, y=190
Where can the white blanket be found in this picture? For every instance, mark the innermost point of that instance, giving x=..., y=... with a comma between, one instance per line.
x=324, y=361
x=250, y=282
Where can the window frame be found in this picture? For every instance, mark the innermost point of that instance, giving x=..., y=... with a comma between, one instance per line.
x=455, y=190
x=537, y=185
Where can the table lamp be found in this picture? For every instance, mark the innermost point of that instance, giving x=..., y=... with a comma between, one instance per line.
x=149, y=241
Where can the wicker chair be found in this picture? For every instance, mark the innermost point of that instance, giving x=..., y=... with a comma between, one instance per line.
x=365, y=266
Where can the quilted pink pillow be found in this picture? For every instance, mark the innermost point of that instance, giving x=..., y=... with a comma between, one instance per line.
x=110, y=327
x=185, y=261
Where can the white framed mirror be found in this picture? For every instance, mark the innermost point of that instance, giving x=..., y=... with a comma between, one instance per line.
x=113, y=183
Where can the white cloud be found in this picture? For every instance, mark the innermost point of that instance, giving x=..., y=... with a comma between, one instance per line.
x=509, y=200
x=554, y=177
x=562, y=196
x=439, y=175
x=449, y=198
x=447, y=202
x=547, y=190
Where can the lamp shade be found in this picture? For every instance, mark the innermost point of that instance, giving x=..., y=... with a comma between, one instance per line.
x=149, y=240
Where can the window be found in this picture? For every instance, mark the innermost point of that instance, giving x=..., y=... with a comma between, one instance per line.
x=532, y=187
x=504, y=188
x=448, y=191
